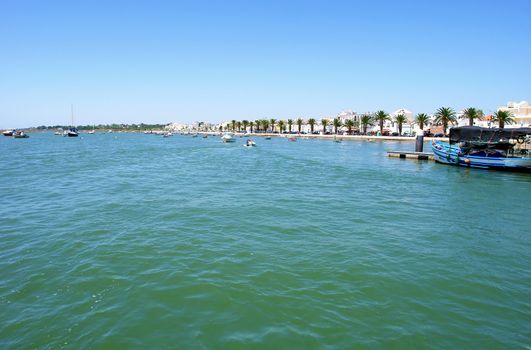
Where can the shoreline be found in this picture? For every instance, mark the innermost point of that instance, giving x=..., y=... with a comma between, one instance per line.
x=332, y=137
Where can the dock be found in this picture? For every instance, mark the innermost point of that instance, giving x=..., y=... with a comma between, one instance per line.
x=411, y=155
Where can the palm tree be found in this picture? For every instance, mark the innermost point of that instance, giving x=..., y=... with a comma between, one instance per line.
x=503, y=117
x=365, y=120
x=472, y=113
x=381, y=117
x=400, y=119
x=290, y=123
x=445, y=115
x=258, y=122
x=272, y=121
x=239, y=126
x=337, y=124
x=281, y=125
x=312, y=122
x=299, y=124
x=251, y=124
x=324, y=122
x=422, y=119
x=220, y=127
x=265, y=124
x=349, y=123
x=233, y=124
x=245, y=123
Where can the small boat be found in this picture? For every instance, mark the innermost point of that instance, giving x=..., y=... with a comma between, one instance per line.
x=249, y=143
x=20, y=135
x=486, y=148
x=8, y=133
x=205, y=136
x=194, y=135
x=292, y=139
x=109, y=131
x=72, y=132
x=167, y=134
x=228, y=138
x=268, y=138
x=59, y=132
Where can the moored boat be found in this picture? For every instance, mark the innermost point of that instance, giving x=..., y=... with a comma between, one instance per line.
x=8, y=133
x=249, y=143
x=476, y=147
x=72, y=132
x=20, y=135
x=228, y=138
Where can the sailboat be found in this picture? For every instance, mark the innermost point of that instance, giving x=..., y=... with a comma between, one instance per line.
x=73, y=131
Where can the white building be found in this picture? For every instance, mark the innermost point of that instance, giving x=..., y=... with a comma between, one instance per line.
x=521, y=112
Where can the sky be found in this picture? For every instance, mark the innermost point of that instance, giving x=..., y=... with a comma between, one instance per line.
x=184, y=61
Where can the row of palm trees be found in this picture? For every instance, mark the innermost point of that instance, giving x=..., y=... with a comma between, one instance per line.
x=443, y=115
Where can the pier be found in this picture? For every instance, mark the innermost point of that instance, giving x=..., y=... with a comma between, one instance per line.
x=411, y=155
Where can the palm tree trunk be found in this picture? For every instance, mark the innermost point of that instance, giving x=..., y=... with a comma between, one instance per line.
x=502, y=124
x=381, y=127
x=470, y=121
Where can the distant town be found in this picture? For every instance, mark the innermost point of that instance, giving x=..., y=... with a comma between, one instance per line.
x=401, y=122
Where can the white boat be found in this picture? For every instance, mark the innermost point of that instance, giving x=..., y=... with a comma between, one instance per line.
x=228, y=138
x=8, y=133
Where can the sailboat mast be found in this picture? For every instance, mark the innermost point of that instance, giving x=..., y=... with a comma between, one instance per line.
x=72, y=114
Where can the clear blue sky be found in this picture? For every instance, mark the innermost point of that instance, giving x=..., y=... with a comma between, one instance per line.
x=162, y=61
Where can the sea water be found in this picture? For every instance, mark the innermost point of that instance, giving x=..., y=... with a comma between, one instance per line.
x=133, y=241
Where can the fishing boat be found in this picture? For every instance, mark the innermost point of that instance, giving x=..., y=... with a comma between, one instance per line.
x=486, y=148
x=20, y=135
x=228, y=138
x=8, y=133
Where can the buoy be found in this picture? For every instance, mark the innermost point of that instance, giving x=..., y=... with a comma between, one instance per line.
x=467, y=161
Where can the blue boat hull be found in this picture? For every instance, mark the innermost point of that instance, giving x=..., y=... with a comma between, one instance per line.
x=451, y=154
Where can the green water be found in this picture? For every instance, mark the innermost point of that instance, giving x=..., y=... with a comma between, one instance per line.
x=123, y=241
